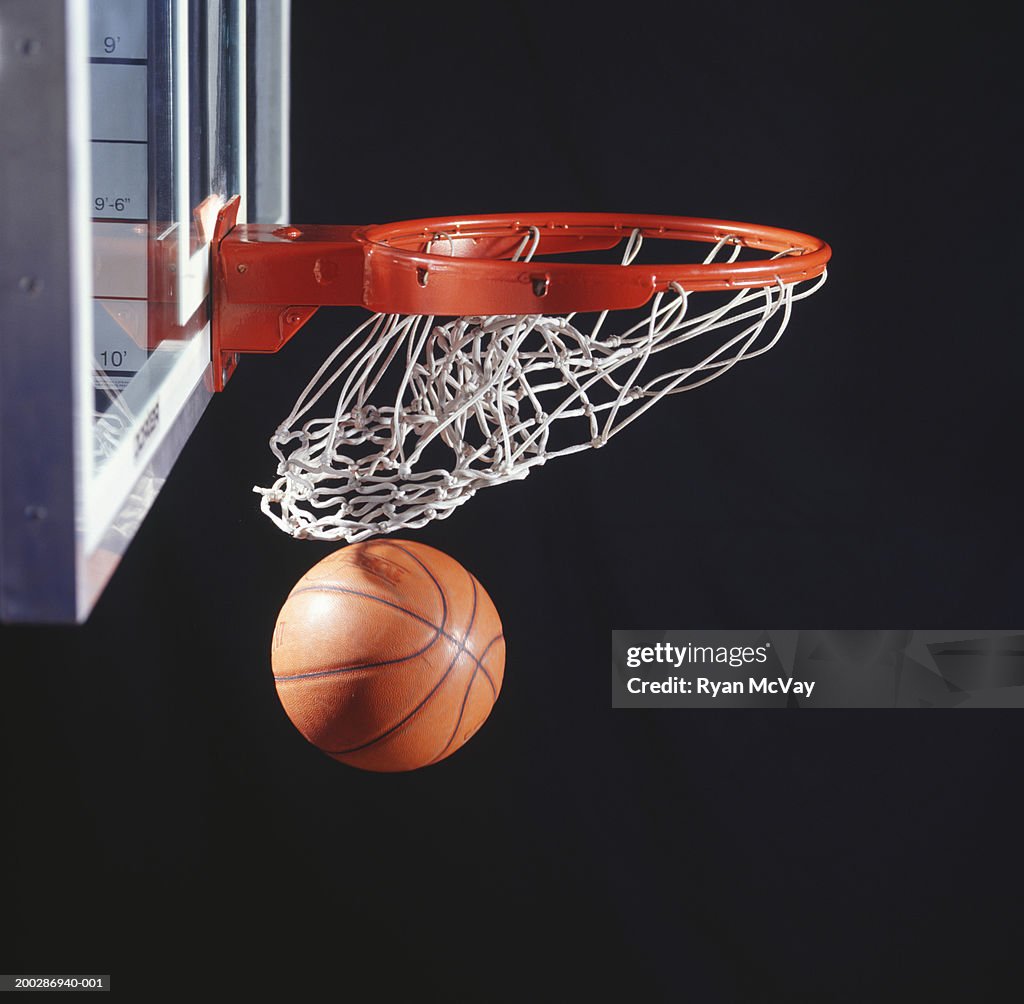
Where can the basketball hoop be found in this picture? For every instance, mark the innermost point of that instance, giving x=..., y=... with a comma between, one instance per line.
x=482, y=361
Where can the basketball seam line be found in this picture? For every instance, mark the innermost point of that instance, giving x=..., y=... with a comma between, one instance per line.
x=476, y=669
x=465, y=696
x=438, y=629
x=438, y=632
x=460, y=650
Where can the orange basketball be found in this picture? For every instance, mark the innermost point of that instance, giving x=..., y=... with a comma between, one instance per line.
x=388, y=655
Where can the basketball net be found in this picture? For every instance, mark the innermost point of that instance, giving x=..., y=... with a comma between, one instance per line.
x=420, y=415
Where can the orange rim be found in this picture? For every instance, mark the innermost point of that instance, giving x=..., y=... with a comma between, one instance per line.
x=406, y=272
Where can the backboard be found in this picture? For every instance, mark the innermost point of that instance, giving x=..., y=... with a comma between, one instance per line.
x=127, y=125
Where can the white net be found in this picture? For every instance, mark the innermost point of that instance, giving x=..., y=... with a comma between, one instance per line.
x=426, y=413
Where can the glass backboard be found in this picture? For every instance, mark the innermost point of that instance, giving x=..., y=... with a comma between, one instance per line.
x=127, y=126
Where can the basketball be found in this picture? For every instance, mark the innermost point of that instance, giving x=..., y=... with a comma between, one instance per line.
x=388, y=655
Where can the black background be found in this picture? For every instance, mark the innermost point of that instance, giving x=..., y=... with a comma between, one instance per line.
x=163, y=819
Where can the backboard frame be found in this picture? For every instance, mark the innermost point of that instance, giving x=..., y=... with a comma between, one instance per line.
x=63, y=524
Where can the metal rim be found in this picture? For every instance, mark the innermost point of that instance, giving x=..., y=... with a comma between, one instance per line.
x=403, y=262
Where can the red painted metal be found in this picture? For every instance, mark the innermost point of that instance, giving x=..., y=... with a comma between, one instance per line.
x=269, y=280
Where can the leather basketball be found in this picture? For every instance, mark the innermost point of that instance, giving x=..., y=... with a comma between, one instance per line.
x=388, y=655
